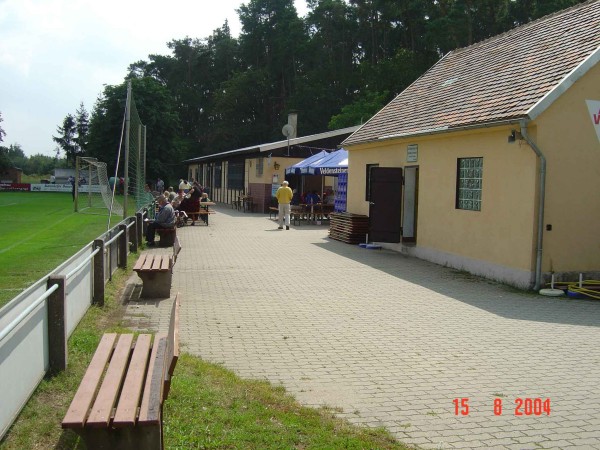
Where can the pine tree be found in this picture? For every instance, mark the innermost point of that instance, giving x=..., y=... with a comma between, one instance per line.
x=82, y=125
x=66, y=139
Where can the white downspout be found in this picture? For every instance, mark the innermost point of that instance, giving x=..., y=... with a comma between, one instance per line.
x=542, y=186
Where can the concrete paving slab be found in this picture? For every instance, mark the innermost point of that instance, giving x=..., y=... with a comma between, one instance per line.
x=387, y=339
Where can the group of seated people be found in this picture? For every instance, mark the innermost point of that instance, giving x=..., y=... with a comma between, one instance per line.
x=312, y=197
x=188, y=204
x=175, y=209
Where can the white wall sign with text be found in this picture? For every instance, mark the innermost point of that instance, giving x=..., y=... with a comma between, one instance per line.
x=412, y=153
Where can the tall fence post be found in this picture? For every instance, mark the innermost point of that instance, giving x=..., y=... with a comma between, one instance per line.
x=139, y=227
x=98, y=295
x=57, y=329
x=133, y=234
x=122, y=244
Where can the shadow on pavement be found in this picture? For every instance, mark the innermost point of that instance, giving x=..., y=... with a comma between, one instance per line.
x=496, y=298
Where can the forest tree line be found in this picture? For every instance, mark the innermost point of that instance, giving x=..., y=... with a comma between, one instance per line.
x=335, y=67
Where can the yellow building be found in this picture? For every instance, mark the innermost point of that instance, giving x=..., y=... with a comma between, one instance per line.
x=490, y=161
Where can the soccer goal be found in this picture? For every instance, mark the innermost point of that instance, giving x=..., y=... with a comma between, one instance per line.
x=93, y=193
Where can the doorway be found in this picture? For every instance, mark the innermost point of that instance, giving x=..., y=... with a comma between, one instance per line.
x=409, y=210
x=385, y=204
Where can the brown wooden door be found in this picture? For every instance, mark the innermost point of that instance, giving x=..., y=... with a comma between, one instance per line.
x=385, y=204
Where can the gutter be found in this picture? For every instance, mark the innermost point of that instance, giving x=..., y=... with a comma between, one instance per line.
x=542, y=186
x=441, y=130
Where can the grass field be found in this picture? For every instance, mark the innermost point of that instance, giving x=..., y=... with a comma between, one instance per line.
x=38, y=231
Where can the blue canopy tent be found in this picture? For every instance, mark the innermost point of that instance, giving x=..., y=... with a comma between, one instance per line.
x=296, y=168
x=331, y=165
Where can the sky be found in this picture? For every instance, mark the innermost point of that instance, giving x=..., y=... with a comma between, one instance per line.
x=55, y=54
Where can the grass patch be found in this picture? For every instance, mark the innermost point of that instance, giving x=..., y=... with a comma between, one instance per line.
x=208, y=406
x=39, y=232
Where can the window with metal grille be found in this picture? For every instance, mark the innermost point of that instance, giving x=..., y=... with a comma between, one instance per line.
x=235, y=175
x=259, y=167
x=217, y=175
x=469, y=183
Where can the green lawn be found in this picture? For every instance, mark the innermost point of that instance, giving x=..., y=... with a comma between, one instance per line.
x=39, y=231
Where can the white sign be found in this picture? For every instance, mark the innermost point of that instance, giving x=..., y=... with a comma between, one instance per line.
x=412, y=153
x=594, y=109
x=63, y=188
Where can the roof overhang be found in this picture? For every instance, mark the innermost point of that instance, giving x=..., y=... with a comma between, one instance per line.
x=565, y=84
x=273, y=145
x=441, y=130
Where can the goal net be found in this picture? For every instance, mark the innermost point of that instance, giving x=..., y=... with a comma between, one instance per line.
x=93, y=193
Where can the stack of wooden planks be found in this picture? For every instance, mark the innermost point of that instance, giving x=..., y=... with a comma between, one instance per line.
x=348, y=227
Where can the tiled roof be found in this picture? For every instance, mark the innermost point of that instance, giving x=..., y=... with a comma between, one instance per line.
x=498, y=79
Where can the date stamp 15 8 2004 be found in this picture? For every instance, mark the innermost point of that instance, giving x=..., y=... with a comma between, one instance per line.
x=519, y=407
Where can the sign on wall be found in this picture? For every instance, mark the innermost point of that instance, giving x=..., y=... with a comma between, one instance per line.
x=412, y=153
x=594, y=109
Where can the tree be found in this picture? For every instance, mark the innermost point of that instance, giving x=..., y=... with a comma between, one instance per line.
x=82, y=126
x=360, y=111
x=273, y=41
x=66, y=139
x=5, y=162
x=2, y=132
x=13, y=156
x=157, y=110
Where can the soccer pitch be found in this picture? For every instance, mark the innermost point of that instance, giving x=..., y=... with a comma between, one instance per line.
x=38, y=231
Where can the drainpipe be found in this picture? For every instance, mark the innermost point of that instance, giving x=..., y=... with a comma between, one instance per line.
x=540, y=231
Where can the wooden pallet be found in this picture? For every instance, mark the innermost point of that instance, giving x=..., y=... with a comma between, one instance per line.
x=348, y=227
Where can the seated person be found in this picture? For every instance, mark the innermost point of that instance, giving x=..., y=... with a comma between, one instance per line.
x=194, y=202
x=330, y=198
x=172, y=194
x=165, y=218
x=176, y=202
x=204, y=198
x=296, y=199
x=313, y=198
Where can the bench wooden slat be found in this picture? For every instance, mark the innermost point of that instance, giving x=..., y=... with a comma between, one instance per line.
x=176, y=249
x=157, y=263
x=173, y=335
x=80, y=405
x=107, y=395
x=131, y=393
x=172, y=344
x=165, y=263
x=140, y=262
x=152, y=397
x=149, y=259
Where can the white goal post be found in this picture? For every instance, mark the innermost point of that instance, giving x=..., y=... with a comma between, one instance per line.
x=92, y=190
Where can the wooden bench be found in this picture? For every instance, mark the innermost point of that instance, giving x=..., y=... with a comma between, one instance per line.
x=202, y=212
x=273, y=210
x=167, y=236
x=156, y=272
x=118, y=404
x=297, y=214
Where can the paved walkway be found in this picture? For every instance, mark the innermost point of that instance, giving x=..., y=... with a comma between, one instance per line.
x=388, y=339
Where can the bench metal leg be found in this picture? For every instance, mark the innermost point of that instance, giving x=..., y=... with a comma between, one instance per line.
x=156, y=284
x=130, y=438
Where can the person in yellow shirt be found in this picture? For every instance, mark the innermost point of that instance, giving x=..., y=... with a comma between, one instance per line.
x=284, y=197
